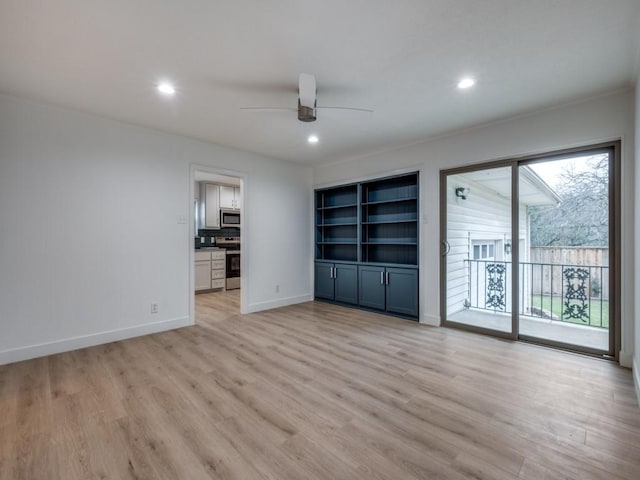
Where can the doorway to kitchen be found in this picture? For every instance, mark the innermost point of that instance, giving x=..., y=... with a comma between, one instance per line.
x=530, y=249
x=218, y=288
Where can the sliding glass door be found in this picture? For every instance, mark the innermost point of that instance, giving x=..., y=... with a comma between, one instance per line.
x=529, y=249
x=567, y=261
x=478, y=250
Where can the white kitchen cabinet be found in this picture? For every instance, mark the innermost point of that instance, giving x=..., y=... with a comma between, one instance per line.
x=210, y=269
x=203, y=275
x=226, y=196
x=236, y=197
x=229, y=196
x=217, y=274
x=211, y=204
x=218, y=269
x=217, y=264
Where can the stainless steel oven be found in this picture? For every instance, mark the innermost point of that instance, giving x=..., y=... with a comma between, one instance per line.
x=229, y=217
x=232, y=247
x=233, y=269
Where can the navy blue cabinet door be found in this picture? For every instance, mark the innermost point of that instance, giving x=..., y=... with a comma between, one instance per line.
x=324, y=281
x=371, y=287
x=402, y=291
x=346, y=283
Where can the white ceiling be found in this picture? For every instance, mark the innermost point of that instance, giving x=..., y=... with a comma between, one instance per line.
x=400, y=58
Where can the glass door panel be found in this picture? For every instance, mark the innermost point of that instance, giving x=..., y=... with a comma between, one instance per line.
x=565, y=259
x=478, y=250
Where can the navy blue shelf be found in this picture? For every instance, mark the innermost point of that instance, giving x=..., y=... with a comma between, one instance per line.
x=337, y=243
x=338, y=206
x=337, y=225
x=383, y=242
x=379, y=217
x=389, y=222
x=378, y=202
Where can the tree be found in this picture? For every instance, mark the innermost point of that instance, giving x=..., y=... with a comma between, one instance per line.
x=582, y=216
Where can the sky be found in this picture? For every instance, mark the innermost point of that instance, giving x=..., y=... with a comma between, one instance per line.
x=550, y=171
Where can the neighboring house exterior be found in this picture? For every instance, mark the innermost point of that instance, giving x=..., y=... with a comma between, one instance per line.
x=479, y=235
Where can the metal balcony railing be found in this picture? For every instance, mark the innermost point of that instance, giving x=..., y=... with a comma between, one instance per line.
x=568, y=293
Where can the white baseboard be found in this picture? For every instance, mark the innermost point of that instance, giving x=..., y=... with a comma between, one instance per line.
x=75, y=343
x=280, y=302
x=636, y=377
x=626, y=360
x=432, y=320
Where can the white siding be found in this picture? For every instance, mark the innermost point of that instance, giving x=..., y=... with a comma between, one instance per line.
x=484, y=215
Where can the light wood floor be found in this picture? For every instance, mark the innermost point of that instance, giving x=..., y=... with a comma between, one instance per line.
x=315, y=391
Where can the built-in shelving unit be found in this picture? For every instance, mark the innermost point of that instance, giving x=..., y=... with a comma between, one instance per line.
x=367, y=236
x=390, y=220
x=337, y=223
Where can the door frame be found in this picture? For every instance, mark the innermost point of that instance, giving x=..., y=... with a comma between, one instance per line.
x=515, y=249
x=613, y=147
x=244, y=260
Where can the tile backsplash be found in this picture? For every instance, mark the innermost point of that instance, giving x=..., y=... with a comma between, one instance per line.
x=210, y=235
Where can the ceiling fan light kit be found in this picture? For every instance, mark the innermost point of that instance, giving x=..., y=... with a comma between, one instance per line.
x=306, y=98
x=306, y=114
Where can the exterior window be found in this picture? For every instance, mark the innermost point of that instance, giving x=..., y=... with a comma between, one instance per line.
x=483, y=250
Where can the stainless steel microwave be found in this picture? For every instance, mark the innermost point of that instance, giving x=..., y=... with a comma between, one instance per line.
x=229, y=217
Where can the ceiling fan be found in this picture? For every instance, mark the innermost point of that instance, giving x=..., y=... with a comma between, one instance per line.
x=307, y=101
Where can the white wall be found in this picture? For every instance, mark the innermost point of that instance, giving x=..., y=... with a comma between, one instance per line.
x=599, y=119
x=90, y=234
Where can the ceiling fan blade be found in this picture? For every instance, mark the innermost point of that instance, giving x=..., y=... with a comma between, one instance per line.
x=307, y=90
x=348, y=108
x=270, y=108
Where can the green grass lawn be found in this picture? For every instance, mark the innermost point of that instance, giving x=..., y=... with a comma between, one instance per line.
x=597, y=318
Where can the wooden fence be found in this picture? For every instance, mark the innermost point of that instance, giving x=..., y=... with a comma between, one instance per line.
x=548, y=278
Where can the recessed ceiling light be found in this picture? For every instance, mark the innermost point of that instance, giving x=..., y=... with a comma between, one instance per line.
x=166, y=88
x=466, y=83
x=313, y=139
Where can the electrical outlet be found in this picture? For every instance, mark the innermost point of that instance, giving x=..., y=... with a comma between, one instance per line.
x=277, y=288
x=154, y=308
x=201, y=239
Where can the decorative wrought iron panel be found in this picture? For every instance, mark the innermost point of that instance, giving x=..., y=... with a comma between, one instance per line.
x=576, y=301
x=496, y=285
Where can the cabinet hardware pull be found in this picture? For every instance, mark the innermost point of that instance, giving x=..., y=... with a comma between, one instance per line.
x=335, y=272
x=387, y=279
x=381, y=278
